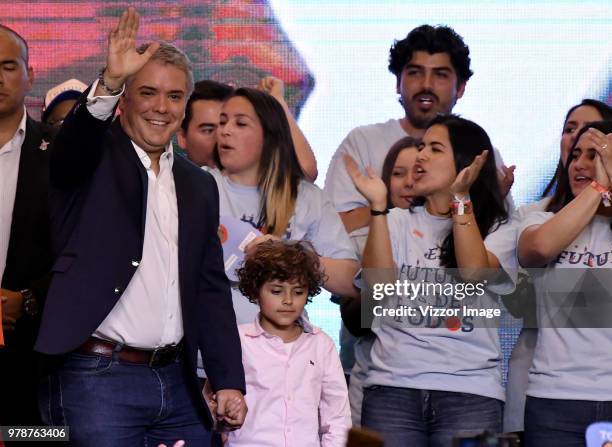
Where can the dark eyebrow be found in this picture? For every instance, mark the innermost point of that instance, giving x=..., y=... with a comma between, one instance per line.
x=437, y=142
x=8, y=61
x=421, y=67
x=414, y=66
x=238, y=115
x=205, y=124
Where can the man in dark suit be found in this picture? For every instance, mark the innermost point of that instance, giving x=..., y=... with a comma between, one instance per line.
x=139, y=284
x=25, y=251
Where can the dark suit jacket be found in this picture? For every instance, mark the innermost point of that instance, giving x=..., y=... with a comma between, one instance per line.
x=28, y=258
x=98, y=210
x=28, y=261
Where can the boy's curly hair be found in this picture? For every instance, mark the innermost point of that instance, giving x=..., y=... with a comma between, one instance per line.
x=291, y=261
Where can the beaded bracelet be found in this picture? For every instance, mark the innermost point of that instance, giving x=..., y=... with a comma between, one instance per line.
x=105, y=87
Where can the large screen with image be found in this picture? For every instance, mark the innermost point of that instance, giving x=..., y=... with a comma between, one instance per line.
x=532, y=60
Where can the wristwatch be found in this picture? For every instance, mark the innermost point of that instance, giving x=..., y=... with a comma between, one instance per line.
x=30, y=304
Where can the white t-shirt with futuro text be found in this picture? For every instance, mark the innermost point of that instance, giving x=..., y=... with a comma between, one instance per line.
x=439, y=353
x=573, y=363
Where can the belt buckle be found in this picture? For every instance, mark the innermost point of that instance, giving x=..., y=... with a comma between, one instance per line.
x=160, y=351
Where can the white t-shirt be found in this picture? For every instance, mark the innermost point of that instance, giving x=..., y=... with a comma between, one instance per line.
x=523, y=350
x=368, y=145
x=314, y=219
x=425, y=352
x=573, y=362
x=522, y=211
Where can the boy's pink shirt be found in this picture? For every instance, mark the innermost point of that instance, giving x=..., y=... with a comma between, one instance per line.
x=288, y=394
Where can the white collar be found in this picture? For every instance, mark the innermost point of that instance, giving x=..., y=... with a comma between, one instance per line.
x=146, y=160
x=19, y=137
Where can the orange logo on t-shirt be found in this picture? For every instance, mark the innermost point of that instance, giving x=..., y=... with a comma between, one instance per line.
x=222, y=233
x=453, y=323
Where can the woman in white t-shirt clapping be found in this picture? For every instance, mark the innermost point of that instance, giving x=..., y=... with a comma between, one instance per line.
x=432, y=377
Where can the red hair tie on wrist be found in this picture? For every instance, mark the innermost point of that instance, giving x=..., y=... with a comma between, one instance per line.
x=606, y=197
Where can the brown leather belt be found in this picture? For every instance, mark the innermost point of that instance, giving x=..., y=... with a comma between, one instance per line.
x=153, y=357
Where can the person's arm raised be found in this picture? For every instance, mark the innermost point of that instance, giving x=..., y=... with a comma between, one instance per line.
x=377, y=252
x=470, y=250
x=276, y=88
x=79, y=144
x=122, y=59
x=540, y=244
x=377, y=260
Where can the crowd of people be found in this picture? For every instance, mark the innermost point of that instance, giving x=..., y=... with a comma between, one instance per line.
x=127, y=318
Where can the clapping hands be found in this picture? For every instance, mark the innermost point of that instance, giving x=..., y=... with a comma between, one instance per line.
x=370, y=186
x=468, y=175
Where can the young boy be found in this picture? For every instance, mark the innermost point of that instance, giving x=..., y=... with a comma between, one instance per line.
x=296, y=391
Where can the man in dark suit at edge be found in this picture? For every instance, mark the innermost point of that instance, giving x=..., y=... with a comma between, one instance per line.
x=25, y=251
x=139, y=284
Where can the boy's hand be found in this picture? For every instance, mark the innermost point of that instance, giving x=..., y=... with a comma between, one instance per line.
x=231, y=408
x=180, y=443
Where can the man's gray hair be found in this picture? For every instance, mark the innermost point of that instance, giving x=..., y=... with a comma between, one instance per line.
x=171, y=55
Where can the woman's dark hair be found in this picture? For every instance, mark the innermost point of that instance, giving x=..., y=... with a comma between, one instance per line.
x=468, y=140
x=290, y=261
x=604, y=110
x=279, y=168
x=563, y=194
x=432, y=39
x=390, y=159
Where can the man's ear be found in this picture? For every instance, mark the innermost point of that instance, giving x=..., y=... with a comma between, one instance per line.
x=121, y=105
x=461, y=89
x=30, y=78
x=182, y=138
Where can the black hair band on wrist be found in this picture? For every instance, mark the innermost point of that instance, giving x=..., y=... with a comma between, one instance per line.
x=379, y=213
